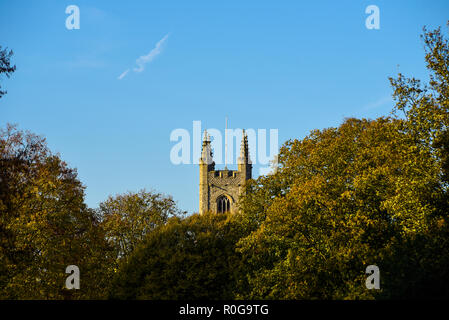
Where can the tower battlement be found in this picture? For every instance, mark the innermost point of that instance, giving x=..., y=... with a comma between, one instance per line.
x=225, y=173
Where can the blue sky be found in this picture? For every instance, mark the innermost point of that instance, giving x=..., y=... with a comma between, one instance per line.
x=294, y=66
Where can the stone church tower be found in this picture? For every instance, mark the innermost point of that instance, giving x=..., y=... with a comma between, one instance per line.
x=220, y=189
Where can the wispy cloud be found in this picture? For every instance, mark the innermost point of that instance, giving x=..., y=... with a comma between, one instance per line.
x=124, y=73
x=379, y=103
x=143, y=60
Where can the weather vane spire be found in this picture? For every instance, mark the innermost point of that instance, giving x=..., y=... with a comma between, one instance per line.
x=226, y=143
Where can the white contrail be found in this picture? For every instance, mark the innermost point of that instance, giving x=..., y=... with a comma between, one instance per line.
x=120, y=77
x=150, y=56
x=143, y=60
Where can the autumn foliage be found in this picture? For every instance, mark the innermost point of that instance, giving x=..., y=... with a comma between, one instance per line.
x=368, y=192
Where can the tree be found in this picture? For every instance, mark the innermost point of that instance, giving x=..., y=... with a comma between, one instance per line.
x=191, y=258
x=5, y=65
x=129, y=217
x=367, y=192
x=44, y=224
x=426, y=107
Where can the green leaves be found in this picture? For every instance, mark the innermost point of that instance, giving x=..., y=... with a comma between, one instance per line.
x=127, y=218
x=44, y=224
x=191, y=258
x=367, y=192
x=5, y=65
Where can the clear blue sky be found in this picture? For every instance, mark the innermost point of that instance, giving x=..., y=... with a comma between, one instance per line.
x=287, y=65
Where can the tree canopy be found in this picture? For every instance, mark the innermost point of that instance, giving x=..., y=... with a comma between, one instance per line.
x=5, y=65
x=191, y=258
x=44, y=224
x=368, y=192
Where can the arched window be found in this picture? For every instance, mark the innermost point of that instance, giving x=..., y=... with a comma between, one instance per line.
x=223, y=204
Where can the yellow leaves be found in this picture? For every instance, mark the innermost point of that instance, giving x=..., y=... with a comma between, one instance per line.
x=346, y=195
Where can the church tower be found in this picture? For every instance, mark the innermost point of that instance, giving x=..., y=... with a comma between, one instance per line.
x=220, y=189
